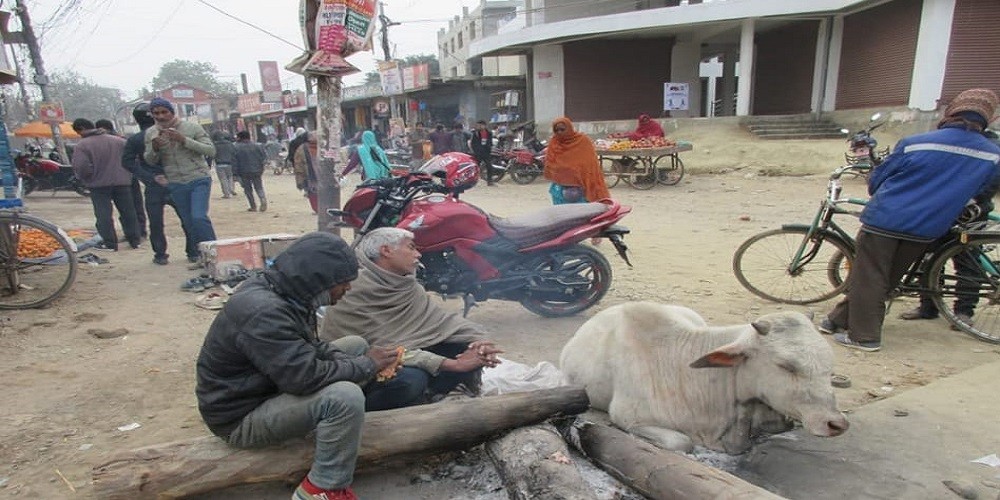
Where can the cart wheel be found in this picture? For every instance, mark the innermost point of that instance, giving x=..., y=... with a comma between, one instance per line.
x=640, y=174
x=612, y=171
x=671, y=171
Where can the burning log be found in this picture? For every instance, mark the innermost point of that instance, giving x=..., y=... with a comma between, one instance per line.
x=654, y=472
x=200, y=465
x=534, y=463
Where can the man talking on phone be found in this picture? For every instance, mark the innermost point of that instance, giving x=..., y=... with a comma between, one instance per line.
x=181, y=147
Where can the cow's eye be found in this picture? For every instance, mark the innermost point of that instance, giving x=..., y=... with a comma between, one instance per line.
x=788, y=367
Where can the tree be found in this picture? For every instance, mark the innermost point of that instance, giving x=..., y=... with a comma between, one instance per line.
x=202, y=75
x=82, y=98
x=372, y=77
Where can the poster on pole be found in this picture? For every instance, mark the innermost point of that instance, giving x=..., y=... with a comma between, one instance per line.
x=333, y=30
x=675, y=96
x=51, y=112
x=391, y=77
x=270, y=80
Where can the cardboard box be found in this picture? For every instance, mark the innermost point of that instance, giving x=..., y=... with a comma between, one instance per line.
x=224, y=259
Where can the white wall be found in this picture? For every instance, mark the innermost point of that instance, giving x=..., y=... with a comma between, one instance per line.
x=550, y=99
x=932, y=54
x=685, y=62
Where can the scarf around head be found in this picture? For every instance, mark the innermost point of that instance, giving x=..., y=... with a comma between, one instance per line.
x=388, y=309
x=373, y=158
x=647, y=129
x=571, y=160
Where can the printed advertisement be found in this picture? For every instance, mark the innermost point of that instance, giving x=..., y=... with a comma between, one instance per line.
x=333, y=29
x=675, y=96
x=270, y=80
x=392, y=79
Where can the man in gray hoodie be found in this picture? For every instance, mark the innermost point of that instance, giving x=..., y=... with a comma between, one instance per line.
x=97, y=162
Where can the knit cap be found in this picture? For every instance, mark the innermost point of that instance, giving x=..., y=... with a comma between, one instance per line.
x=983, y=102
x=160, y=102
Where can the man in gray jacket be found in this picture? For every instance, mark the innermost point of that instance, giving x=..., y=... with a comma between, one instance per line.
x=248, y=166
x=97, y=162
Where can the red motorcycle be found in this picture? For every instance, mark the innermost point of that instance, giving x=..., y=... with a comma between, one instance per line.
x=42, y=174
x=537, y=259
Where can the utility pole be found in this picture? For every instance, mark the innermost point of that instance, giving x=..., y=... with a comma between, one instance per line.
x=25, y=100
x=41, y=79
x=328, y=97
x=386, y=55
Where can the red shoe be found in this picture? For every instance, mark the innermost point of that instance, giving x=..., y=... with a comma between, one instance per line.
x=309, y=491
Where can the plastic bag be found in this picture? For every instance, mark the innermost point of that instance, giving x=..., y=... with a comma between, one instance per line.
x=510, y=376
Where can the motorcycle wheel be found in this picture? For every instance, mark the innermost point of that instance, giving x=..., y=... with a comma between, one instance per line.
x=498, y=173
x=29, y=185
x=577, y=264
x=521, y=174
x=80, y=189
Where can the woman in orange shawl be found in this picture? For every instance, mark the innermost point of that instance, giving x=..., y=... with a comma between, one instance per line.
x=571, y=164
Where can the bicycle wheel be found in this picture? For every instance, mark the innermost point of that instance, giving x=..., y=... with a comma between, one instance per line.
x=640, y=174
x=612, y=171
x=37, y=262
x=969, y=276
x=669, y=174
x=761, y=264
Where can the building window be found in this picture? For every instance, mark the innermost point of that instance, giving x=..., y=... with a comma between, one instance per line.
x=453, y=45
x=459, y=39
x=472, y=30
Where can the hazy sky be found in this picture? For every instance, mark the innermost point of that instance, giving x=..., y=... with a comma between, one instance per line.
x=123, y=43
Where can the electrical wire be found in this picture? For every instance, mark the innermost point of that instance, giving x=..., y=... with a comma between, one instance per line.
x=254, y=26
x=149, y=41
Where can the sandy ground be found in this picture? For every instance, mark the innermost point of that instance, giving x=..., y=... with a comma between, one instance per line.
x=66, y=392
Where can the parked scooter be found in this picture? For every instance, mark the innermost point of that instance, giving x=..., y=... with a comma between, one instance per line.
x=41, y=174
x=537, y=259
x=862, y=147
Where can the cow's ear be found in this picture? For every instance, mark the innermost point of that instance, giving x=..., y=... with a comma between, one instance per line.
x=724, y=357
x=762, y=327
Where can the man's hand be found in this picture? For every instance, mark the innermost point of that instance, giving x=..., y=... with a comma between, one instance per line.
x=383, y=357
x=479, y=354
x=160, y=142
x=172, y=135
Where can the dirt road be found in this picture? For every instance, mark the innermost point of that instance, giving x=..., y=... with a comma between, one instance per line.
x=66, y=392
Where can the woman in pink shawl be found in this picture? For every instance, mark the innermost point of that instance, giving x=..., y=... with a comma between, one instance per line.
x=647, y=128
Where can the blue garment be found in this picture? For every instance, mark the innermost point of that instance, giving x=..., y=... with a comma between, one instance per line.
x=373, y=158
x=560, y=196
x=191, y=201
x=924, y=184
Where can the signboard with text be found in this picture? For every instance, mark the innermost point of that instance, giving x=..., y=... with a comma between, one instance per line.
x=675, y=96
x=416, y=77
x=270, y=80
x=248, y=104
x=333, y=30
x=51, y=112
x=392, y=79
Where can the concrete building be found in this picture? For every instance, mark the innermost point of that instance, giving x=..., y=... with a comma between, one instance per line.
x=453, y=43
x=609, y=60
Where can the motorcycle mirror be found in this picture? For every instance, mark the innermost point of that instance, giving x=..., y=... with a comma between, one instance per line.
x=876, y=116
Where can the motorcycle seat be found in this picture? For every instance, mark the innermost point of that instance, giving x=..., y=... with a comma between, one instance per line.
x=533, y=228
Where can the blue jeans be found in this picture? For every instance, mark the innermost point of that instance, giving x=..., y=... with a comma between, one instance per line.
x=191, y=201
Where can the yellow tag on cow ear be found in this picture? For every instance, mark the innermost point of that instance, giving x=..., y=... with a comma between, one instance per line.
x=964, y=238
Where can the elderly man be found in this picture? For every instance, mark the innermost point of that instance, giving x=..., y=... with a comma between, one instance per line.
x=389, y=307
x=97, y=162
x=264, y=377
x=915, y=197
x=180, y=147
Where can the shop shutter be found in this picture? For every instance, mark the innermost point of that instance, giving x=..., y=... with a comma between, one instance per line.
x=877, y=54
x=972, y=52
x=784, y=69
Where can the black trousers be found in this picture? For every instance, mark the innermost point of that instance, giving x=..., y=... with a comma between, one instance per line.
x=121, y=196
x=251, y=182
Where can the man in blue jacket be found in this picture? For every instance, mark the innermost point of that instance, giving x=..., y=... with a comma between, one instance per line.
x=916, y=195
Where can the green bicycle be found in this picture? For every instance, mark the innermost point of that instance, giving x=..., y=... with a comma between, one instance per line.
x=808, y=263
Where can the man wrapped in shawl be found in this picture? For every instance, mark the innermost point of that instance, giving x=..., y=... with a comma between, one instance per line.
x=371, y=157
x=647, y=128
x=387, y=306
x=571, y=164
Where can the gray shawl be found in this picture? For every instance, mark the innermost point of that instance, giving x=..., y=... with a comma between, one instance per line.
x=388, y=310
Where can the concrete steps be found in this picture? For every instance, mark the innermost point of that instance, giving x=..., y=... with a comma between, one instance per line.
x=793, y=127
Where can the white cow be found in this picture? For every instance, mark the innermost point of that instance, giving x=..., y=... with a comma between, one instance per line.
x=664, y=375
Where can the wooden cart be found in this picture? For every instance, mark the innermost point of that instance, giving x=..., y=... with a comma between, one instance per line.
x=643, y=168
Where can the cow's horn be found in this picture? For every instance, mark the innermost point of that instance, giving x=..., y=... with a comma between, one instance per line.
x=762, y=327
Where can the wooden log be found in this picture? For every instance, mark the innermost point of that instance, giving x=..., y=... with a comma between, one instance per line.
x=200, y=465
x=656, y=473
x=534, y=463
